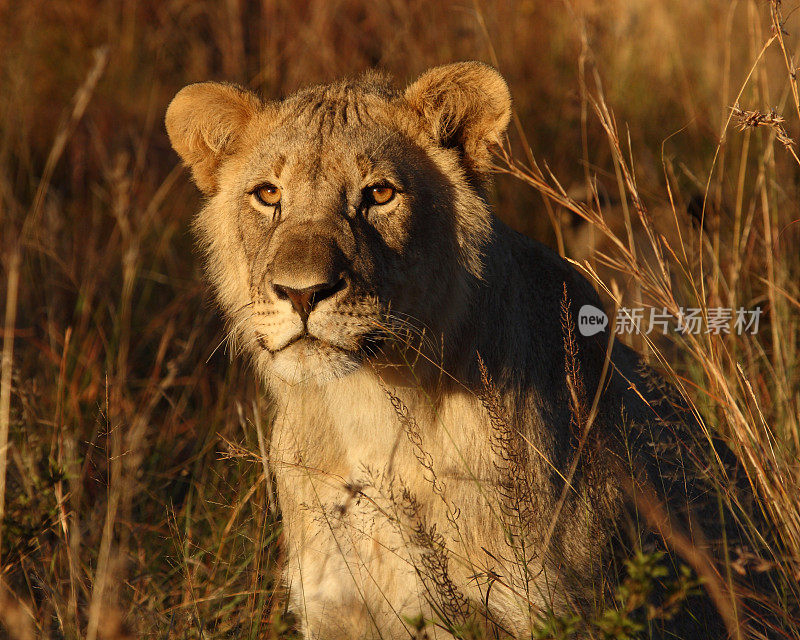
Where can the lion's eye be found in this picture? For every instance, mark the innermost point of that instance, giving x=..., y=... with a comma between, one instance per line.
x=380, y=193
x=268, y=195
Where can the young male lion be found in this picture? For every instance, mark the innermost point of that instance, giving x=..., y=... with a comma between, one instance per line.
x=446, y=444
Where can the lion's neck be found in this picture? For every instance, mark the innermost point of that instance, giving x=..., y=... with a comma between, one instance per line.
x=366, y=421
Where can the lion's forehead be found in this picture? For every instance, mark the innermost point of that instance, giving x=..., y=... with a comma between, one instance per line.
x=339, y=105
x=348, y=153
x=327, y=123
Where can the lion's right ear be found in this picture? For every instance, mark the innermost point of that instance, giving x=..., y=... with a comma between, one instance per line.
x=465, y=105
x=204, y=121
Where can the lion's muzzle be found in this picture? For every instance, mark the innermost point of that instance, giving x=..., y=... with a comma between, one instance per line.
x=307, y=267
x=303, y=300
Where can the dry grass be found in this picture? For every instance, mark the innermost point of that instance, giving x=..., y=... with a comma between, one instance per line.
x=658, y=148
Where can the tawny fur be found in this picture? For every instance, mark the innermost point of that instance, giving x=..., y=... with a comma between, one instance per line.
x=411, y=482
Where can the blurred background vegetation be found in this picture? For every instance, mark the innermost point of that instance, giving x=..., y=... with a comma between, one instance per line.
x=128, y=511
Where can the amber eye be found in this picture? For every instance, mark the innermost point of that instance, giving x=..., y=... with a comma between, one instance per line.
x=268, y=195
x=380, y=193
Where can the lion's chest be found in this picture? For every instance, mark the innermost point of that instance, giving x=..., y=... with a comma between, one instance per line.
x=338, y=430
x=360, y=472
x=358, y=433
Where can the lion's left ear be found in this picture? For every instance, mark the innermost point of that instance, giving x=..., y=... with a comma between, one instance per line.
x=204, y=121
x=465, y=105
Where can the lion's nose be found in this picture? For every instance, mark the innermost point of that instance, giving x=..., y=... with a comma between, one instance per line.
x=305, y=299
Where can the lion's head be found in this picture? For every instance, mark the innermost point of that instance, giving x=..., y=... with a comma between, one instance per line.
x=345, y=216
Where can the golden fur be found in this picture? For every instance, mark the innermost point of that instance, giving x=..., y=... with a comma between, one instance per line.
x=425, y=420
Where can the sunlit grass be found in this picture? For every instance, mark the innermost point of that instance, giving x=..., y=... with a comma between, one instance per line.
x=128, y=507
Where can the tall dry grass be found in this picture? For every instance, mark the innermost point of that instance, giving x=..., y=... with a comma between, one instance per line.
x=128, y=509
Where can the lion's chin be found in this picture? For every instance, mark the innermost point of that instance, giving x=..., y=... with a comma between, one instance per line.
x=310, y=360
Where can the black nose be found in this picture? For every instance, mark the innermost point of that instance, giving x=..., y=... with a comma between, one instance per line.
x=305, y=299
